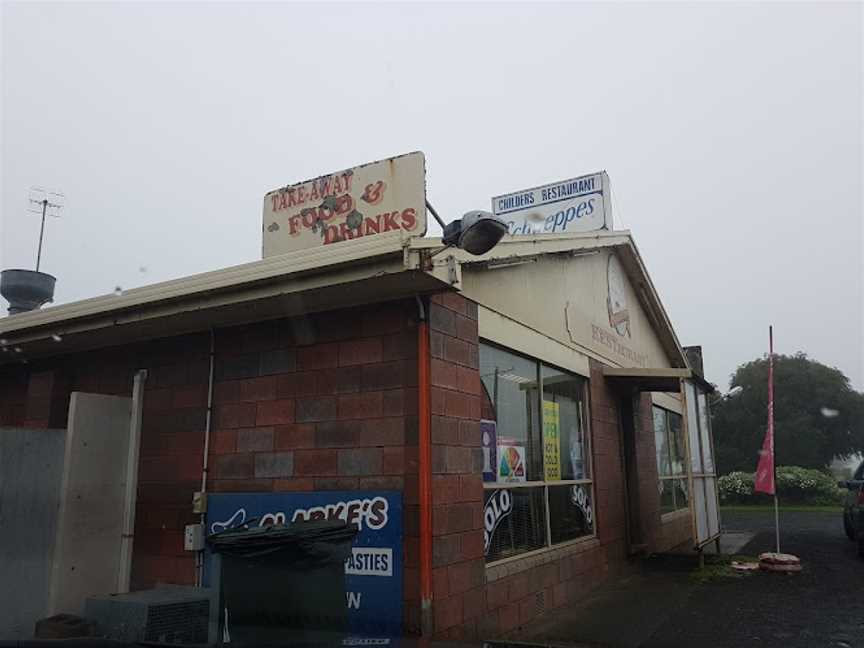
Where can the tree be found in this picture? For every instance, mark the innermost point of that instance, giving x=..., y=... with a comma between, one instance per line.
x=817, y=415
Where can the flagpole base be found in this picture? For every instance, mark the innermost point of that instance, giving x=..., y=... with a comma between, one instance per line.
x=779, y=562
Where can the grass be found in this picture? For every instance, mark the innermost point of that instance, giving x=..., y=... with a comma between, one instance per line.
x=830, y=508
x=719, y=567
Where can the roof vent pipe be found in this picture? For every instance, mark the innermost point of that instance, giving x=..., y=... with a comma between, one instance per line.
x=26, y=290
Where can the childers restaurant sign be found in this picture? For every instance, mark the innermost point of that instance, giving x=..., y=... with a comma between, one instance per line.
x=379, y=198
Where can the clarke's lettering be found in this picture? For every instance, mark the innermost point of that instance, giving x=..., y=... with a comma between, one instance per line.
x=366, y=512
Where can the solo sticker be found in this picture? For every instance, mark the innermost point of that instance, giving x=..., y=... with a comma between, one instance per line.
x=498, y=506
x=579, y=497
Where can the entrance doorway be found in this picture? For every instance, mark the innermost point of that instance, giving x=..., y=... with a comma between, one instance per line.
x=627, y=408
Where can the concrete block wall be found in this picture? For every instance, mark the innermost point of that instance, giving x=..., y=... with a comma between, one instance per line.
x=329, y=402
x=458, y=566
x=13, y=394
x=324, y=402
x=172, y=440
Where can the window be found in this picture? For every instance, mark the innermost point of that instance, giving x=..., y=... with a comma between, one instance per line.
x=670, y=448
x=537, y=467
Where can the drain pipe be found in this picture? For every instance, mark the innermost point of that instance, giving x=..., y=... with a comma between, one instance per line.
x=127, y=535
x=201, y=496
x=424, y=469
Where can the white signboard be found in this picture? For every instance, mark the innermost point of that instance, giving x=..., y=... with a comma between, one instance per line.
x=576, y=205
x=379, y=198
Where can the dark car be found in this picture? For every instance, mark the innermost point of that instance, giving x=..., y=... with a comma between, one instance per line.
x=853, y=508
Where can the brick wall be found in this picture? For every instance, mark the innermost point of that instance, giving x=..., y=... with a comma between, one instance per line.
x=322, y=402
x=171, y=439
x=325, y=402
x=457, y=484
x=13, y=394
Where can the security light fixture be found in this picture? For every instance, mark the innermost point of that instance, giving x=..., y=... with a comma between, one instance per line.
x=476, y=232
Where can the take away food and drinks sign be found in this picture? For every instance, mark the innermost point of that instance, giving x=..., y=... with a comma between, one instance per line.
x=386, y=198
x=576, y=205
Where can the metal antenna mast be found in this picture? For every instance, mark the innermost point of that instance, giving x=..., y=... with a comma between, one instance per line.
x=46, y=203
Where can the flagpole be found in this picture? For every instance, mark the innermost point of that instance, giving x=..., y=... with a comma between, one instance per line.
x=771, y=427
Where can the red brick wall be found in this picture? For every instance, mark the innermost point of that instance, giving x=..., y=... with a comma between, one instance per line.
x=327, y=402
x=13, y=394
x=321, y=402
x=171, y=440
x=457, y=488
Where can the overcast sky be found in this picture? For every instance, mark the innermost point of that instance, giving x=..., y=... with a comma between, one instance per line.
x=732, y=135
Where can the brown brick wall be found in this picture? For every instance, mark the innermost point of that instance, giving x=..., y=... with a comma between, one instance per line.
x=458, y=573
x=324, y=402
x=13, y=393
x=328, y=402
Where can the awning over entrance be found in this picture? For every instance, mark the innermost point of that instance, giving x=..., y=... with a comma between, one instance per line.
x=651, y=380
x=662, y=379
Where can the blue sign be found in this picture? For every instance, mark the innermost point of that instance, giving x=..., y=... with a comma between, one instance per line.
x=373, y=572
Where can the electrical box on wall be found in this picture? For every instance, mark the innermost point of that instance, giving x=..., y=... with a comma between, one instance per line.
x=193, y=539
x=199, y=502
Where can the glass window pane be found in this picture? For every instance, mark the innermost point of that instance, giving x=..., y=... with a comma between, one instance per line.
x=661, y=442
x=692, y=427
x=511, y=384
x=676, y=443
x=681, y=496
x=565, y=442
x=514, y=521
x=570, y=512
x=705, y=435
x=667, y=497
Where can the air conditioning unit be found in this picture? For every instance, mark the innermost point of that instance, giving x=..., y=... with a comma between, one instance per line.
x=171, y=614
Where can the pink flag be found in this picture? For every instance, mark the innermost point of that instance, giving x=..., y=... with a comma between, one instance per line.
x=764, y=480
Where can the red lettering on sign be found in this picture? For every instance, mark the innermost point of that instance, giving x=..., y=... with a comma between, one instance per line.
x=331, y=235
x=309, y=216
x=390, y=222
x=344, y=204
x=346, y=233
x=294, y=225
x=373, y=225
x=409, y=218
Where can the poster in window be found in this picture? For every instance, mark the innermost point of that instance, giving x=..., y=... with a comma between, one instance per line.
x=551, y=441
x=511, y=463
x=489, y=443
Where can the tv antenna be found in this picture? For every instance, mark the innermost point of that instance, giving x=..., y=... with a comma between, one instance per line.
x=48, y=203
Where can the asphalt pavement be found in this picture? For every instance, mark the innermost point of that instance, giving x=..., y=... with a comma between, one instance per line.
x=669, y=604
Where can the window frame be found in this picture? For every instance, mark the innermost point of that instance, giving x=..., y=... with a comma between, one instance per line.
x=589, y=450
x=672, y=477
